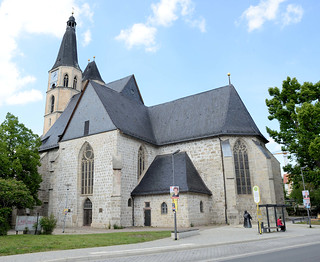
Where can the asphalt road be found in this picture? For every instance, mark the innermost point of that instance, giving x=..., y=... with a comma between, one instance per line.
x=291, y=249
x=305, y=253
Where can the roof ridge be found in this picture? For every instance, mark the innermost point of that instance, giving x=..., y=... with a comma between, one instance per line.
x=129, y=76
x=185, y=97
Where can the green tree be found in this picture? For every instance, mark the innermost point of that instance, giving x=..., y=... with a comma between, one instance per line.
x=13, y=193
x=297, y=109
x=19, y=156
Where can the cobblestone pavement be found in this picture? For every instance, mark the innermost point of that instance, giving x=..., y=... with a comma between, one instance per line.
x=223, y=252
x=212, y=244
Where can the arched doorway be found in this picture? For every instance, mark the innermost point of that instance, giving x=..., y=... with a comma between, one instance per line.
x=87, y=212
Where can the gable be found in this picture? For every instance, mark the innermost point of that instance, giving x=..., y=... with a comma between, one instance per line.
x=90, y=117
x=128, y=87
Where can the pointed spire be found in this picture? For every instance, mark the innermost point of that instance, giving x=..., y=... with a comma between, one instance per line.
x=91, y=72
x=68, y=55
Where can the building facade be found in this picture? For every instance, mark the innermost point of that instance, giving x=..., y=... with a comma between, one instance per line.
x=109, y=160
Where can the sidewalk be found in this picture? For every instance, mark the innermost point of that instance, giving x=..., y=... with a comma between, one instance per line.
x=209, y=236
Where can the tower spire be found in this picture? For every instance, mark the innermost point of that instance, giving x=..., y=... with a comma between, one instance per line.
x=68, y=55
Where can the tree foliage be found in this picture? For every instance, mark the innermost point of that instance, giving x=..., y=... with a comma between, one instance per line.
x=13, y=193
x=19, y=156
x=297, y=109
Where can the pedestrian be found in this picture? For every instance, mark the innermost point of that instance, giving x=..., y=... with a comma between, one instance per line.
x=280, y=224
x=247, y=219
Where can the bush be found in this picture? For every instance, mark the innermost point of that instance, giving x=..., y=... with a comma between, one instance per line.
x=4, y=220
x=48, y=224
x=115, y=226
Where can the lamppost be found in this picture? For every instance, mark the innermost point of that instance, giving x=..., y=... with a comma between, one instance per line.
x=175, y=212
x=66, y=208
x=304, y=188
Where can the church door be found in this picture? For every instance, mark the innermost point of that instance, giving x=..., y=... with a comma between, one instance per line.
x=87, y=213
x=147, y=217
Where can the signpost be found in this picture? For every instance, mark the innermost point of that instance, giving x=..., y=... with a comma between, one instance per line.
x=306, y=197
x=174, y=193
x=256, y=198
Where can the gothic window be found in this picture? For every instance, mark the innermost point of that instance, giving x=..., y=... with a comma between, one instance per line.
x=241, y=165
x=52, y=104
x=75, y=82
x=129, y=202
x=201, y=207
x=87, y=170
x=164, y=208
x=141, y=161
x=65, y=80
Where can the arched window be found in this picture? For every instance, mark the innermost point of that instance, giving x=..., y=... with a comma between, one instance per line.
x=201, y=207
x=241, y=165
x=87, y=170
x=141, y=161
x=66, y=80
x=164, y=208
x=75, y=82
x=52, y=104
x=129, y=202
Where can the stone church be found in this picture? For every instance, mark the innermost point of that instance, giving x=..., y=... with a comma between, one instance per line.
x=108, y=159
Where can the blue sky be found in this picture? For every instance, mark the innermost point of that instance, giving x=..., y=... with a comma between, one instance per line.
x=175, y=48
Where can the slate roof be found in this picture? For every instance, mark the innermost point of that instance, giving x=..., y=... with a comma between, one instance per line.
x=213, y=113
x=130, y=117
x=91, y=72
x=68, y=55
x=128, y=87
x=159, y=176
x=51, y=138
x=216, y=112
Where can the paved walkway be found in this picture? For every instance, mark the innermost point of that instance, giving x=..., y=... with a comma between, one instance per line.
x=208, y=237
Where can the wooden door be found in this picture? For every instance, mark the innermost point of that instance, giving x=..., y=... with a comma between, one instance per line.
x=147, y=217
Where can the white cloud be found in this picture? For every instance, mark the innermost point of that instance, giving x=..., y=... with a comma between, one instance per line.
x=25, y=97
x=200, y=23
x=293, y=14
x=167, y=11
x=139, y=34
x=265, y=11
x=20, y=17
x=269, y=10
x=164, y=13
x=86, y=37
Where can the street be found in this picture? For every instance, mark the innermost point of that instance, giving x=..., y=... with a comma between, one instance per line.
x=217, y=243
x=283, y=249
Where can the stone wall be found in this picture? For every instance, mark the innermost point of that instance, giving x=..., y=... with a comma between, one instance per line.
x=116, y=175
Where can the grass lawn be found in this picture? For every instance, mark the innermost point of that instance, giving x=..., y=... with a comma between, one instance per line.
x=313, y=222
x=20, y=244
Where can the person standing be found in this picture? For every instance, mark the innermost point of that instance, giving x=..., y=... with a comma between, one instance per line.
x=247, y=220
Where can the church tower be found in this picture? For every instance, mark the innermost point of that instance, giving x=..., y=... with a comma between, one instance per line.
x=65, y=77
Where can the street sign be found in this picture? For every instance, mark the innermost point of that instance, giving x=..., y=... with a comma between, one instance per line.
x=174, y=204
x=256, y=194
x=306, y=199
x=174, y=192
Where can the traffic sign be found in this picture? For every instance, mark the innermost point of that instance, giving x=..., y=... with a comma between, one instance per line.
x=256, y=194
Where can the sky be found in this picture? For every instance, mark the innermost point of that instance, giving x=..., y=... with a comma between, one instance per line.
x=175, y=48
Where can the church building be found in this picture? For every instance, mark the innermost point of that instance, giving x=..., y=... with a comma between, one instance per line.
x=107, y=159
